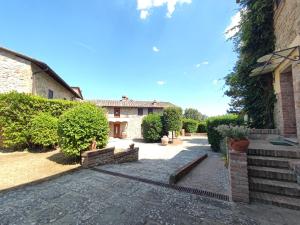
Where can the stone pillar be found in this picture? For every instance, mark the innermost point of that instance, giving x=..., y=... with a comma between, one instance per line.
x=238, y=177
x=296, y=84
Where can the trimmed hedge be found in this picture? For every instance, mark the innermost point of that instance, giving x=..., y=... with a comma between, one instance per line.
x=79, y=126
x=202, y=127
x=172, y=119
x=152, y=127
x=43, y=130
x=17, y=111
x=214, y=137
x=190, y=125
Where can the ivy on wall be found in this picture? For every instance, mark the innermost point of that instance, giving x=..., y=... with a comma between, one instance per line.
x=253, y=96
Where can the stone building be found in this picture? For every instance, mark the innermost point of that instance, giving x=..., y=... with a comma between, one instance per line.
x=27, y=75
x=125, y=116
x=284, y=66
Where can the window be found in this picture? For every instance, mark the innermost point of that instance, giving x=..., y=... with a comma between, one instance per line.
x=50, y=94
x=150, y=110
x=117, y=112
x=140, y=111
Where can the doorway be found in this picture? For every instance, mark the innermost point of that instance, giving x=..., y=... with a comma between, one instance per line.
x=117, y=130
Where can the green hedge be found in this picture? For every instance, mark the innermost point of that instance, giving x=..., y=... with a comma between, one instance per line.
x=152, y=127
x=17, y=111
x=43, y=130
x=214, y=137
x=202, y=127
x=190, y=125
x=79, y=126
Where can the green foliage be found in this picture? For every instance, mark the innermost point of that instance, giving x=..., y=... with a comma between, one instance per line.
x=194, y=114
x=17, y=110
x=43, y=130
x=253, y=95
x=235, y=132
x=79, y=126
x=190, y=125
x=152, y=127
x=202, y=127
x=172, y=119
x=214, y=137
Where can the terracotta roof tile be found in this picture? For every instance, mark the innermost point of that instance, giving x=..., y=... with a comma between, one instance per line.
x=131, y=103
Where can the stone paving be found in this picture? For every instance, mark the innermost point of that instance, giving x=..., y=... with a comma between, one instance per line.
x=90, y=197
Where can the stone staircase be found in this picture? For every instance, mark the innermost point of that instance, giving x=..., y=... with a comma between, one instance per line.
x=271, y=179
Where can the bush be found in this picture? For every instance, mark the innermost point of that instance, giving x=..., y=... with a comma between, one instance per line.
x=17, y=110
x=79, y=126
x=172, y=119
x=214, y=137
x=43, y=130
x=152, y=127
x=194, y=114
x=190, y=125
x=202, y=127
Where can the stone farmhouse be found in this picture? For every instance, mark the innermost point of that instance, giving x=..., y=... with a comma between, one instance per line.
x=27, y=75
x=284, y=66
x=125, y=115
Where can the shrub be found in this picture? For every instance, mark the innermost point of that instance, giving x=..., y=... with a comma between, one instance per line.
x=190, y=125
x=79, y=126
x=172, y=119
x=43, y=130
x=194, y=114
x=152, y=127
x=235, y=132
x=202, y=127
x=214, y=137
x=17, y=110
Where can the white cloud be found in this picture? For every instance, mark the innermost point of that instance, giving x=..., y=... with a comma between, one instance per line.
x=155, y=49
x=161, y=82
x=144, y=14
x=202, y=63
x=233, y=27
x=215, y=82
x=145, y=5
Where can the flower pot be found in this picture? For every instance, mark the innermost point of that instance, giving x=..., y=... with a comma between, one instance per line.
x=239, y=145
x=164, y=140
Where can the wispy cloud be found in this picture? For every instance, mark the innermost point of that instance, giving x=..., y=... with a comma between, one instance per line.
x=155, y=49
x=233, y=27
x=216, y=82
x=84, y=45
x=202, y=63
x=161, y=82
x=144, y=6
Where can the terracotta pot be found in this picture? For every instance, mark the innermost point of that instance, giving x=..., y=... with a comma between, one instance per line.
x=239, y=145
x=164, y=140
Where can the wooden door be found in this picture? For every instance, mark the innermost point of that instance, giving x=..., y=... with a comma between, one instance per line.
x=117, y=132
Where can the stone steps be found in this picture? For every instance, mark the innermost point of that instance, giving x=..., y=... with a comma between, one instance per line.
x=274, y=187
x=275, y=152
x=267, y=161
x=278, y=200
x=272, y=173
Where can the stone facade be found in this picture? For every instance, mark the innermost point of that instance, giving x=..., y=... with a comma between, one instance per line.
x=24, y=76
x=15, y=74
x=132, y=125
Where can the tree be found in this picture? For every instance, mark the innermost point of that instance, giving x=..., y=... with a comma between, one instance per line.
x=194, y=114
x=152, y=127
x=172, y=119
x=253, y=95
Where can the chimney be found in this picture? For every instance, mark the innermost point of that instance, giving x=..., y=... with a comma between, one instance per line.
x=124, y=98
x=154, y=102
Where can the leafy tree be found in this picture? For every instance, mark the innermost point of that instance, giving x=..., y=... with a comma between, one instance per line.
x=193, y=114
x=152, y=127
x=172, y=119
x=190, y=125
x=253, y=95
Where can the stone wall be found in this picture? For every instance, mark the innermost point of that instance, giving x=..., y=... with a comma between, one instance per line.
x=107, y=156
x=287, y=24
x=133, y=126
x=15, y=74
x=238, y=176
x=42, y=82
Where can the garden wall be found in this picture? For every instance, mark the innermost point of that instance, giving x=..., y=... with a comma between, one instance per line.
x=107, y=156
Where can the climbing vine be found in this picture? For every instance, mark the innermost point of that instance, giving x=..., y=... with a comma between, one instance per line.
x=253, y=96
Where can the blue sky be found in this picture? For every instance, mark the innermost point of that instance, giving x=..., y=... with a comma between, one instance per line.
x=145, y=49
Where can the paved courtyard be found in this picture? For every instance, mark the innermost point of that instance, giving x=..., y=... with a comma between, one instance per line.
x=90, y=197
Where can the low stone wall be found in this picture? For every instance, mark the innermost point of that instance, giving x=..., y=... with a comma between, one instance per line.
x=107, y=156
x=238, y=176
x=264, y=133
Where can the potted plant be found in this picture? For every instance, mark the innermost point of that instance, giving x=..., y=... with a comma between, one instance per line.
x=237, y=136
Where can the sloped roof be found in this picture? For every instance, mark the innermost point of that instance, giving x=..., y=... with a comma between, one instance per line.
x=131, y=103
x=45, y=68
